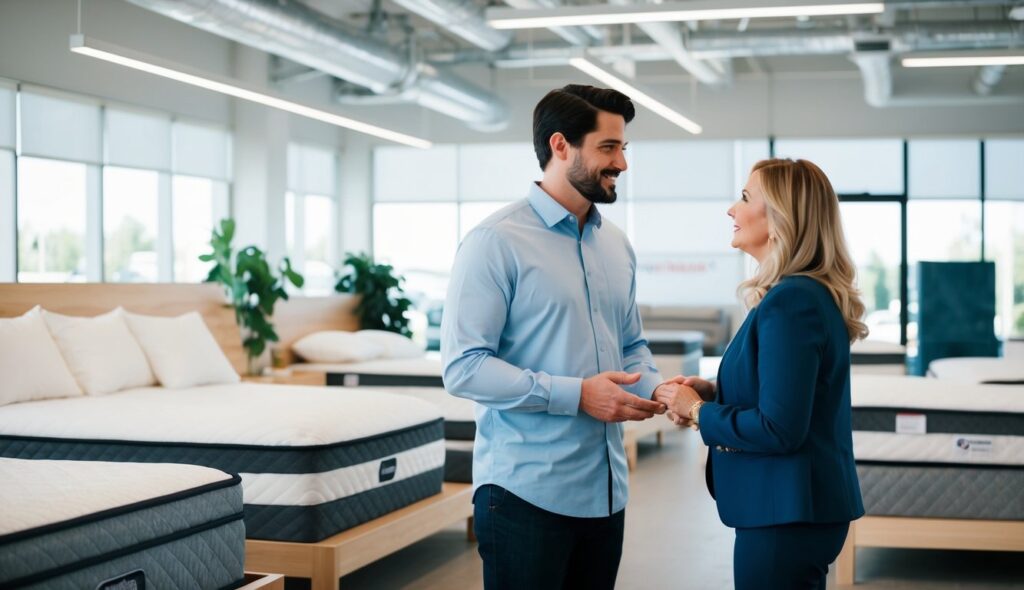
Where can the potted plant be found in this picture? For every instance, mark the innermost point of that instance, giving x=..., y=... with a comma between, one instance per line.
x=252, y=287
x=382, y=302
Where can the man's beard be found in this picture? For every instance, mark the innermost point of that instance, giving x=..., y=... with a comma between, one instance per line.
x=589, y=183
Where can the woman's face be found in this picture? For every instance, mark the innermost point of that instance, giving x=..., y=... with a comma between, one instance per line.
x=750, y=220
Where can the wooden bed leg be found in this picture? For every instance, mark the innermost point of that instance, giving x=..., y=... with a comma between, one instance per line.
x=846, y=563
x=660, y=438
x=631, y=453
x=470, y=535
x=326, y=574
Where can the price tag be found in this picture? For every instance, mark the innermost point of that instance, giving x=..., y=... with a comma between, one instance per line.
x=907, y=423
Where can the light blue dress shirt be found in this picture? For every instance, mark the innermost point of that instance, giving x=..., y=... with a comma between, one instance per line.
x=533, y=307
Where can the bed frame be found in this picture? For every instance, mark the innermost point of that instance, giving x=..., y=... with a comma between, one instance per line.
x=323, y=562
x=926, y=533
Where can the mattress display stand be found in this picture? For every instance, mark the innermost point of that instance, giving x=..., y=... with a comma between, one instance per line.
x=326, y=561
x=258, y=581
x=926, y=533
x=633, y=431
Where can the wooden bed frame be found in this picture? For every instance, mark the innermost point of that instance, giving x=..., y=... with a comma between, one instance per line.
x=926, y=533
x=323, y=562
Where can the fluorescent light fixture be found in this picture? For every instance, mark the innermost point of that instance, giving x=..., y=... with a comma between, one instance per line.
x=612, y=79
x=694, y=10
x=963, y=59
x=138, y=61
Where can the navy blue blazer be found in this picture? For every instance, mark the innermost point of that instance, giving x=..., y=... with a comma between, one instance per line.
x=779, y=433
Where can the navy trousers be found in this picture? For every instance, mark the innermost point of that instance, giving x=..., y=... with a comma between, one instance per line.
x=525, y=547
x=786, y=557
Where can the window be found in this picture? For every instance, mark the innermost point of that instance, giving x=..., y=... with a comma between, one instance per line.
x=853, y=166
x=1004, y=231
x=1004, y=245
x=52, y=205
x=420, y=240
x=130, y=200
x=311, y=216
x=198, y=205
x=8, y=224
x=873, y=238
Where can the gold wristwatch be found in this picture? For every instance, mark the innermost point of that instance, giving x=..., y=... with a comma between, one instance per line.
x=695, y=413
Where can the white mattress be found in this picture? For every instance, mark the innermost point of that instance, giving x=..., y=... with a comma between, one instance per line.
x=938, y=448
x=244, y=414
x=977, y=370
x=452, y=408
x=876, y=347
x=427, y=366
x=35, y=493
x=892, y=391
x=239, y=413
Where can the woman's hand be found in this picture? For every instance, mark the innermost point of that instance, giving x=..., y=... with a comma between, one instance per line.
x=705, y=388
x=677, y=397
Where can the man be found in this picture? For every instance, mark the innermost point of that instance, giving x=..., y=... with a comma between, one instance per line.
x=541, y=329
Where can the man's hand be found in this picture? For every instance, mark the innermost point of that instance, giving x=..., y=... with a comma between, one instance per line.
x=602, y=398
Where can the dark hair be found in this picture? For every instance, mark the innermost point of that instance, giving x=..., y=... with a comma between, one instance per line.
x=572, y=110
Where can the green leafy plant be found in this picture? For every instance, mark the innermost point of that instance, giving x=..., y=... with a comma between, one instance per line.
x=251, y=285
x=382, y=304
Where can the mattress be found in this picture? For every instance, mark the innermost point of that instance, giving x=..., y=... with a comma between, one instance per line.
x=935, y=449
x=77, y=524
x=919, y=420
x=459, y=426
x=874, y=352
x=312, y=463
x=1001, y=371
x=417, y=372
x=933, y=491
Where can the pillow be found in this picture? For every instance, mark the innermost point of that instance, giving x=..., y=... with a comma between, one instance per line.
x=334, y=346
x=181, y=350
x=395, y=345
x=101, y=352
x=30, y=361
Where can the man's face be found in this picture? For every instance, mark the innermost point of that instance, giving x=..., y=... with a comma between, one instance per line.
x=596, y=164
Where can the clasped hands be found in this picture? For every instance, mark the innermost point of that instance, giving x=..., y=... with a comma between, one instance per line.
x=680, y=393
x=602, y=397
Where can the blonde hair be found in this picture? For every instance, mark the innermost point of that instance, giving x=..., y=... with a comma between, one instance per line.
x=806, y=238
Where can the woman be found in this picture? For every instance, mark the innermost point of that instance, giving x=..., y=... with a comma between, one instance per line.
x=780, y=464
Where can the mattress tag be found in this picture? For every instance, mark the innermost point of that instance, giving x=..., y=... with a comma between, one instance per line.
x=911, y=423
x=388, y=468
x=971, y=444
x=135, y=580
x=350, y=380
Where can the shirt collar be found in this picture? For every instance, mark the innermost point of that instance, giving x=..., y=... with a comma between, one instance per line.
x=551, y=211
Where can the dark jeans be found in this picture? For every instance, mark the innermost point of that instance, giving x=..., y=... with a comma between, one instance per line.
x=786, y=557
x=527, y=548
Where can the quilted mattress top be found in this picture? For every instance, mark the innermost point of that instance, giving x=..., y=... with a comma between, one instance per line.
x=906, y=392
x=978, y=370
x=248, y=414
x=36, y=493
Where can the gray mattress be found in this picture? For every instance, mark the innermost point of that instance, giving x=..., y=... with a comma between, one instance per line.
x=269, y=521
x=933, y=491
x=965, y=422
x=190, y=539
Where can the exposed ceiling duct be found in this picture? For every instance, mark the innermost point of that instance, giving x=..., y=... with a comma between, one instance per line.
x=295, y=31
x=876, y=71
x=579, y=36
x=462, y=18
x=668, y=35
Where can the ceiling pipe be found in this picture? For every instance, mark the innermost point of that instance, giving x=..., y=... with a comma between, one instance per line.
x=462, y=18
x=293, y=30
x=580, y=36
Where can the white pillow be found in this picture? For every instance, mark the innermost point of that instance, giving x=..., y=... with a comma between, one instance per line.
x=30, y=362
x=395, y=345
x=181, y=350
x=334, y=346
x=101, y=352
